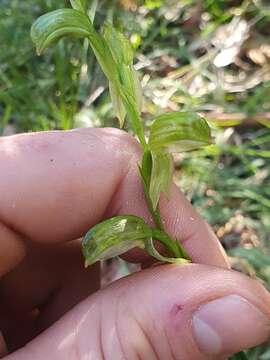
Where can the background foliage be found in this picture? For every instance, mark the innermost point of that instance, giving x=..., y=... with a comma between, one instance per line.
x=210, y=56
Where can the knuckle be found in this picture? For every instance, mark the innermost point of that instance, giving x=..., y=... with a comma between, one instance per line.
x=122, y=140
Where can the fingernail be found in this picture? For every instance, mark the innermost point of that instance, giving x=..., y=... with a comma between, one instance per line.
x=228, y=325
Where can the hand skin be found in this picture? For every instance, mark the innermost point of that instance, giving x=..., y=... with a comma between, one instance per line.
x=54, y=186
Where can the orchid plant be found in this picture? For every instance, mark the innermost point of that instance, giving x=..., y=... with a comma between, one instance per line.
x=168, y=133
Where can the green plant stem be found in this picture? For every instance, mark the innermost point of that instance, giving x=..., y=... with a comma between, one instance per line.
x=172, y=246
x=133, y=115
x=136, y=121
x=175, y=249
x=155, y=213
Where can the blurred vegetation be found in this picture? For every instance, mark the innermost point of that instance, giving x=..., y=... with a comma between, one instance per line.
x=209, y=56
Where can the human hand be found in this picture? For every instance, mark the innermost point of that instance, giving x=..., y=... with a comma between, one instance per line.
x=54, y=187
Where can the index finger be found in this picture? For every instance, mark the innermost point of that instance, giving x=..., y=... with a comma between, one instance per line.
x=56, y=185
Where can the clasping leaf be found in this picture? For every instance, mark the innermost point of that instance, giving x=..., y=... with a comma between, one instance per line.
x=117, y=235
x=150, y=247
x=118, y=105
x=146, y=169
x=114, y=237
x=120, y=46
x=122, y=53
x=132, y=86
x=156, y=171
x=179, y=131
x=161, y=176
x=173, y=132
x=52, y=26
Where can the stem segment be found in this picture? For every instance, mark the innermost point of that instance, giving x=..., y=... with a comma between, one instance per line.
x=173, y=246
x=133, y=115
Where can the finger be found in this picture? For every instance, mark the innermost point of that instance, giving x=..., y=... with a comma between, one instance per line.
x=44, y=272
x=98, y=170
x=65, y=182
x=55, y=187
x=54, y=203
x=192, y=312
x=52, y=279
x=11, y=254
x=3, y=348
x=12, y=249
x=58, y=184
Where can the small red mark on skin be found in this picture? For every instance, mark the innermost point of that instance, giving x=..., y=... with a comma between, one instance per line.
x=176, y=317
x=175, y=309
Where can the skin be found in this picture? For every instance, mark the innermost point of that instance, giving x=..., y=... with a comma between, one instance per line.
x=54, y=186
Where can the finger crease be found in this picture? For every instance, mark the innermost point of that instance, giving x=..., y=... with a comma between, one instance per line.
x=149, y=341
x=117, y=331
x=101, y=343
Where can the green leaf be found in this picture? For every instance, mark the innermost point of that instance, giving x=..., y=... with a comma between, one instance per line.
x=122, y=53
x=50, y=27
x=54, y=25
x=161, y=176
x=118, y=106
x=119, y=45
x=92, y=10
x=137, y=89
x=146, y=173
x=78, y=5
x=179, y=131
x=114, y=237
x=104, y=57
x=154, y=253
x=117, y=235
x=146, y=169
x=132, y=86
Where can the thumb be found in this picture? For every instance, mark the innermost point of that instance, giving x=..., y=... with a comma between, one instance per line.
x=167, y=312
